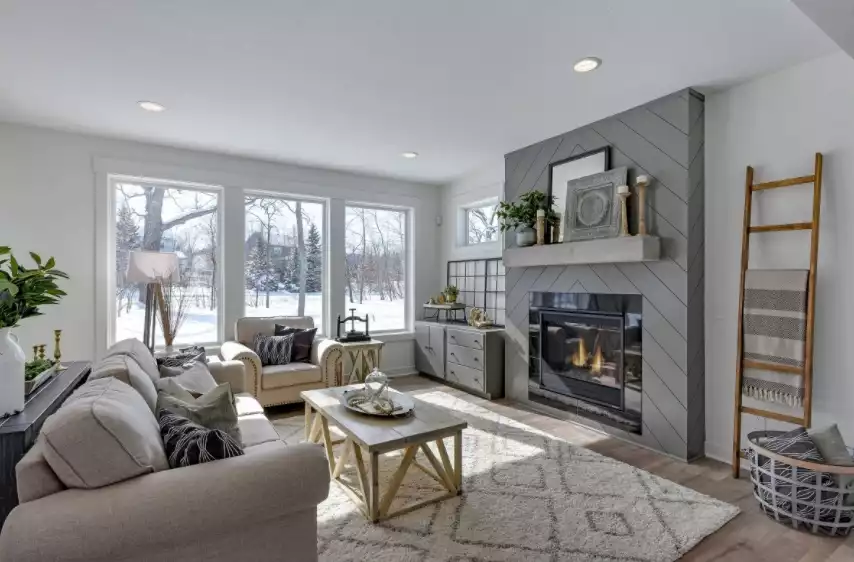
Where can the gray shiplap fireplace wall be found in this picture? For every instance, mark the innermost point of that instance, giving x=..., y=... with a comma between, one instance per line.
x=663, y=139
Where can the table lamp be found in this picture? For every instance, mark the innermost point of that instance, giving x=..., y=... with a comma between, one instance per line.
x=152, y=268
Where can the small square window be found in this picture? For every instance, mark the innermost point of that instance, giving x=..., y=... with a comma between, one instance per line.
x=481, y=224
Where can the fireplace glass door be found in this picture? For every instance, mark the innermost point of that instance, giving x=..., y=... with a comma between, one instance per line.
x=581, y=354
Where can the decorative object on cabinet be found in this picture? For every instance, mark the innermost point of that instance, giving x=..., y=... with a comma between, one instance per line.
x=481, y=284
x=623, y=192
x=360, y=358
x=23, y=291
x=353, y=335
x=522, y=216
x=479, y=319
x=568, y=169
x=451, y=292
x=38, y=372
x=641, y=183
x=466, y=357
x=593, y=206
x=448, y=309
x=57, y=353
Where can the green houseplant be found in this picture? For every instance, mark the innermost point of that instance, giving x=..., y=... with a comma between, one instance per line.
x=451, y=292
x=521, y=216
x=23, y=291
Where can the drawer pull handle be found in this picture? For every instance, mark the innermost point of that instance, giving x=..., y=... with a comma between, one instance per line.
x=476, y=359
x=477, y=342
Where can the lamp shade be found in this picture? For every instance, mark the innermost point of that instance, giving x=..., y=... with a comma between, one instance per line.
x=151, y=267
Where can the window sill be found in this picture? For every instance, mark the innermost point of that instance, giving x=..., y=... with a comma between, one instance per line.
x=391, y=337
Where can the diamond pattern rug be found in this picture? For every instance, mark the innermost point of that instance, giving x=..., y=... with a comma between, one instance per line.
x=528, y=496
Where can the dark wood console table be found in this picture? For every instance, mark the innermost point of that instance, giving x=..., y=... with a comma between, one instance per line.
x=18, y=432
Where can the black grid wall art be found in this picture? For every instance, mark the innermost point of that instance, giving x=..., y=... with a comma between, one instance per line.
x=481, y=285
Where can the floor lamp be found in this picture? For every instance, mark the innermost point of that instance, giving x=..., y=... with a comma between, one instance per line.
x=152, y=268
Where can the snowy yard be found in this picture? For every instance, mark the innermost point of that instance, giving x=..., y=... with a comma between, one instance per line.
x=200, y=325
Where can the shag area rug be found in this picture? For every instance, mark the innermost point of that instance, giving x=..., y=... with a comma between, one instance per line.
x=528, y=497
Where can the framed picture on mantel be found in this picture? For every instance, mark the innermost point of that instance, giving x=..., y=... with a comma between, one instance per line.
x=593, y=209
x=568, y=169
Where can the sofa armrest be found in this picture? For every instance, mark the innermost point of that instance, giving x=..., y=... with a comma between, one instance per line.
x=168, y=507
x=234, y=351
x=329, y=356
x=233, y=372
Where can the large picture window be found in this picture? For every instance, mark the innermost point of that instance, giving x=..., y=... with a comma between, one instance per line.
x=375, y=243
x=166, y=218
x=283, y=250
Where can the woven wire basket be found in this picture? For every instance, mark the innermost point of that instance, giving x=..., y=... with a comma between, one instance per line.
x=802, y=494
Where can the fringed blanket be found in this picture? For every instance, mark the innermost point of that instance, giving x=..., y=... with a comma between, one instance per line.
x=775, y=312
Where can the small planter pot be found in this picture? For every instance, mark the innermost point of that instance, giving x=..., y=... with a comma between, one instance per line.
x=450, y=299
x=526, y=237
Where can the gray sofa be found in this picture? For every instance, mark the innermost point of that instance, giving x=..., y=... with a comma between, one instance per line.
x=95, y=487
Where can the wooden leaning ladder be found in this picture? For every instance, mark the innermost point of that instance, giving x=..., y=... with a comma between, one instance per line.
x=743, y=363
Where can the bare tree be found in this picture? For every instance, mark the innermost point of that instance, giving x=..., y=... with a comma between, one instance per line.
x=265, y=211
x=301, y=254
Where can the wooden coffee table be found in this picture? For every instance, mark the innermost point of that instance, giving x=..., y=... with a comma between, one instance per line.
x=377, y=436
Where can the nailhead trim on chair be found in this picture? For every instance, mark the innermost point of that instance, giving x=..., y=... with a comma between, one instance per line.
x=338, y=366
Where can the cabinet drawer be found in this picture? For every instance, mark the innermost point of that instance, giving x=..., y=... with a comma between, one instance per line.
x=464, y=376
x=465, y=356
x=472, y=340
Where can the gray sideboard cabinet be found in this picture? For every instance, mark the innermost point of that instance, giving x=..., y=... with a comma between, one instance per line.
x=471, y=359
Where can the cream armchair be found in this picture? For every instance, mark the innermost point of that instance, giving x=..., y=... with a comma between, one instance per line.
x=281, y=384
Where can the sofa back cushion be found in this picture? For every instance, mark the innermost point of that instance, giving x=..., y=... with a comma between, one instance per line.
x=127, y=370
x=137, y=351
x=103, y=434
x=35, y=478
x=246, y=328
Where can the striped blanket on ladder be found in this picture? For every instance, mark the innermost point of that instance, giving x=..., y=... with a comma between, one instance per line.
x=775, y=312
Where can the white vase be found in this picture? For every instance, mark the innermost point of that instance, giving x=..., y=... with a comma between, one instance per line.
x=12, y=360
x=525, y=237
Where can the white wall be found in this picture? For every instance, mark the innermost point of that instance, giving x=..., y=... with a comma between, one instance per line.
x=486, y=182
x=776, y=123
x=50, y=202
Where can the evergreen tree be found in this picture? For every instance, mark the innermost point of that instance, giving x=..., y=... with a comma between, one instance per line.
x=314, y=262
x=127, y=240
x=256, y=268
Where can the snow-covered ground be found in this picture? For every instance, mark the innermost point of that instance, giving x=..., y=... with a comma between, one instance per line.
x=200, y=324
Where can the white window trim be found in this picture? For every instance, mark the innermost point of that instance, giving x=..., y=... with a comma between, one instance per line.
x=106, y=307
x=408, y=265
x=326, y=246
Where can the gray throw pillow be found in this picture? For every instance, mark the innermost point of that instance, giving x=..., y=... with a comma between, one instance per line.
x=832, y=447
x=273, y=350
x=303, y=341
x=196, y=378
x=214, y=409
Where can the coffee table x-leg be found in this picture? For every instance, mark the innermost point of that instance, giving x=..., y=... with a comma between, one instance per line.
x=375, y=503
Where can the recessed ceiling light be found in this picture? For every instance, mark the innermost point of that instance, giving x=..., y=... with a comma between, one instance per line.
x=410, y=155
x=151, y=106
x=587, y=64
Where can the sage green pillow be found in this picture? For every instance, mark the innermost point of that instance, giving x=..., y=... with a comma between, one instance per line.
x=832, y=447
x=213, y=410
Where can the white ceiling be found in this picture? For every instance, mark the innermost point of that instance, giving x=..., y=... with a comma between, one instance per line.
x=834, y=17
x=352, y=84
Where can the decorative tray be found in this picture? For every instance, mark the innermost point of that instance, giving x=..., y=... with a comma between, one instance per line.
x=392, y=405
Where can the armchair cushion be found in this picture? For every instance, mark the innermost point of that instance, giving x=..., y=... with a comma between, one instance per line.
x=277, y=376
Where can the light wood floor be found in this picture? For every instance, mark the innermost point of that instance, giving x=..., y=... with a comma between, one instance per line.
x=751, y=536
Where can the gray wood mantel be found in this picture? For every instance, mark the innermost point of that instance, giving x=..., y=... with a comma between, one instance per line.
x=624, y=249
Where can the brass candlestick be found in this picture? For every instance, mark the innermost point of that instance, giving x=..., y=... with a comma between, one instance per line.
x=623, y=192
x=41, y=351
x=35, y=352
x=57, y=354
x=641, y=183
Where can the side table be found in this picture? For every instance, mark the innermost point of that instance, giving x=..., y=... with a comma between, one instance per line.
x=18, y=432
x=360, y=358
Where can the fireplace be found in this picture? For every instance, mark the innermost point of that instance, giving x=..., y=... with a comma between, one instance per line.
x=586, y=355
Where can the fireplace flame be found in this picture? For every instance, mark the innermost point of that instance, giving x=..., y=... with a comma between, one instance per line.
x=598, y=361
x=579, y=358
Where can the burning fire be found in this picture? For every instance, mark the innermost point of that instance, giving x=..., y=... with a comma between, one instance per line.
x=580, y=358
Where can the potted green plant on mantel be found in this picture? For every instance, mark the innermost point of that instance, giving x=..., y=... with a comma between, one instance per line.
x=522, y=216
x=23, y=291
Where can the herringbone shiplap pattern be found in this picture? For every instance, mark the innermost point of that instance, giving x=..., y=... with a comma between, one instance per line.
x=663, y=139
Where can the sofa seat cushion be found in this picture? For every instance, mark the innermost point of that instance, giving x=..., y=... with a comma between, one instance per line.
x=256, y=429
x=246, y=404
x=125, y=369
x=292, y=374
x=137, y=351
x=103, y=434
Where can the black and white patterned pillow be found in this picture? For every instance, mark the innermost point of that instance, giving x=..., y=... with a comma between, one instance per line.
x=188, y=443
x=273, y=350
x=185, y=356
